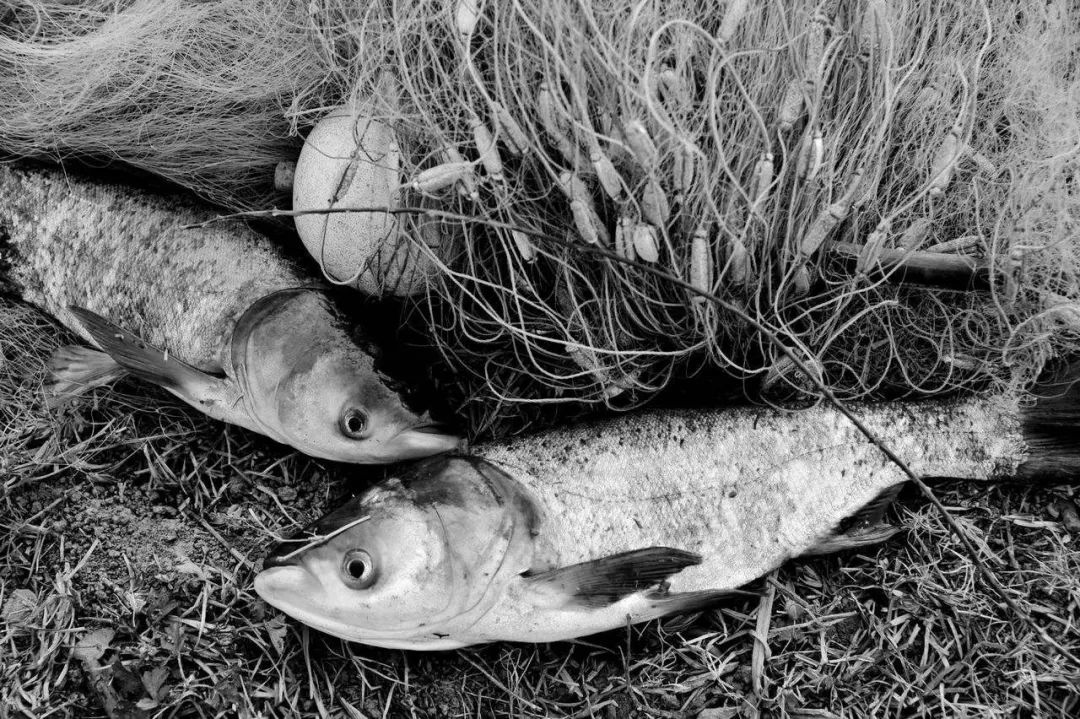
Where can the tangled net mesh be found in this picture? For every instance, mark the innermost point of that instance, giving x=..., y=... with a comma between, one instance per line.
x=803, y=161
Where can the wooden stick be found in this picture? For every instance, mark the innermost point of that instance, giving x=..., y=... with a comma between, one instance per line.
x=925, y=268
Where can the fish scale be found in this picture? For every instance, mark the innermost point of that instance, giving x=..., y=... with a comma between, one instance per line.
x=742, y=487
x=126, y=255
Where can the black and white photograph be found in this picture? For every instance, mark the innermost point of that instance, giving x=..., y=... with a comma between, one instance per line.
x=584, y=359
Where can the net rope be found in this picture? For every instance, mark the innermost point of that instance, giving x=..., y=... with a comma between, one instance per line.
x=791, y=157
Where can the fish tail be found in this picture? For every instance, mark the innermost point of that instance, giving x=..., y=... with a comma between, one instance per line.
x=1051, y=427
x=74, y=370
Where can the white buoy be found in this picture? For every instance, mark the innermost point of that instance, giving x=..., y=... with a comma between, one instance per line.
x=351, y=159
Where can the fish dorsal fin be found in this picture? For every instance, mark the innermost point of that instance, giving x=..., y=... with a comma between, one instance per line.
x=605, y=581
x=216, y=396
x=863, y=528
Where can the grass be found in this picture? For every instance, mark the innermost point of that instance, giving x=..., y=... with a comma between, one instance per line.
x=131, y=529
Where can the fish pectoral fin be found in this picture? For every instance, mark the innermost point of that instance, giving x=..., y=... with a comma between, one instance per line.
x=216, y=396
x=74, y=369
x=664, y=604
x=862, y=529
x=873, y=512
x=864, y=537
x=607, y=580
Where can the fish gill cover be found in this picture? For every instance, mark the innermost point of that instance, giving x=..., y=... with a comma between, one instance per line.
x=793, y=158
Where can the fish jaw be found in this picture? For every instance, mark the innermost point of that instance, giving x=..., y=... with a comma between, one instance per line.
x=521, y=614
x=291, y=589
x=422, y=441
x=410, y=443
x=283, y=586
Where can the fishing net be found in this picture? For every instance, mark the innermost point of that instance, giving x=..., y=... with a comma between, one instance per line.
x=888, y=188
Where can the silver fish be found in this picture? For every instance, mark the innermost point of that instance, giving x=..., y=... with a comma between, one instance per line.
x=217, y=315
x=583, y=529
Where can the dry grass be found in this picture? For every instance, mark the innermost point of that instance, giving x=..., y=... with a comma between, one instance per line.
x=136, y=526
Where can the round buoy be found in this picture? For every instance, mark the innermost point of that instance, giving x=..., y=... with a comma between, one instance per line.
x=353, y=160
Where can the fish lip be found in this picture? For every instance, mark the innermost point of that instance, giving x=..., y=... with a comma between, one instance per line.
x=426, y=439
x=264, y=585
x=442, y=428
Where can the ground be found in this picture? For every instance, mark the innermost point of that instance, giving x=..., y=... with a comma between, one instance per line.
x=132, y=527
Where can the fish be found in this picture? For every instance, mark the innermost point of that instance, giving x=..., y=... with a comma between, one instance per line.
x=587, y=528
x=216, y=314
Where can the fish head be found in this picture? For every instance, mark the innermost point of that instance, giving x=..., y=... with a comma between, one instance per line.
x=410, y=564
x=308, y=384
x=331, y=403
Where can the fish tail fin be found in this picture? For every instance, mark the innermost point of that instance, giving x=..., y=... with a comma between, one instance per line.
x=74, y=370
x=1051, y=427
x=863, y=529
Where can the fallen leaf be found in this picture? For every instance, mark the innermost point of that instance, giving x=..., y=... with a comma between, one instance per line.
x=1069, y=514
x=93, y=645
x=19, y=607
x=126, y=682
x=276, y=629
x=154, y=681
x=159, y=605
x=225, y=694
x=186, y=566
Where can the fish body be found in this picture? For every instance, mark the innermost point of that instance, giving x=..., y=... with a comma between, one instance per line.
x=216, y=314
x=582, y=529
x=126, y=255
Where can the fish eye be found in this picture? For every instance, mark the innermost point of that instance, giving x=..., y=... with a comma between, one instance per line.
x=353, y=423
x=358, y=569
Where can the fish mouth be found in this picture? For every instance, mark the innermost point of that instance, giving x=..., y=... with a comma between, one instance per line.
x=424, y=440
x=285, y=587
x=279, y=586
x=434, y=428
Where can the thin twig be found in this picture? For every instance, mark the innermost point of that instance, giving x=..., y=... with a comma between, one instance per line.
x=315, y=541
